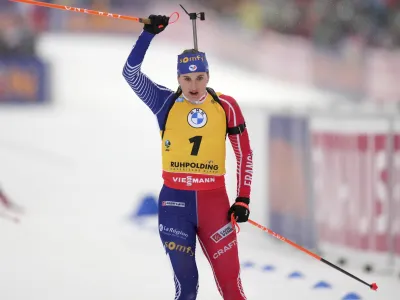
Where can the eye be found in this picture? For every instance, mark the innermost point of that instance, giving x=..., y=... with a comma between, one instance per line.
x=187, y=78
x=200, y=78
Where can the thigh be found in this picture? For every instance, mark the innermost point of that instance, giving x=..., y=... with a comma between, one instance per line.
x=217, y=235
x=177, y=228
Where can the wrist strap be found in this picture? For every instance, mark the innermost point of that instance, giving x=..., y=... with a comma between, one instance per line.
x=233, y=221
x=242, y=204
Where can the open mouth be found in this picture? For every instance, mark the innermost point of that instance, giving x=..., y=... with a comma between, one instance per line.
x=193, y=93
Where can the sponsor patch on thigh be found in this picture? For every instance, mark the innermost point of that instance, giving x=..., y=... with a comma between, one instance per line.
x=222, y=233
x=173, y=203
x=171, y=231
x=225, y=249
x=172, y=246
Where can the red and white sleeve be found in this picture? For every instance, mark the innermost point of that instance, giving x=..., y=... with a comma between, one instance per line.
x=239, y=138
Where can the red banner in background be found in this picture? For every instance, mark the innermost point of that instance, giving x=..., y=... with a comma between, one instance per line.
x=352, y=203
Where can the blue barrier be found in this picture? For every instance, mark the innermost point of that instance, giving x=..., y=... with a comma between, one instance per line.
x=23, y=80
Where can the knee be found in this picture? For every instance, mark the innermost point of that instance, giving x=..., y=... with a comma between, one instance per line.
x=231, y=288
x=185, y=276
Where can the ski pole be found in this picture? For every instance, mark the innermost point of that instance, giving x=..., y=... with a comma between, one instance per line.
x=373, y=286
x=91, y=12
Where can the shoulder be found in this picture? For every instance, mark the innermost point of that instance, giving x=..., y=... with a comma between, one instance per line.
x=226, y=98
x=231, y=108
x=228, y=102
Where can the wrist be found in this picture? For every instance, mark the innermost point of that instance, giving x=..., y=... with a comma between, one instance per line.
x=148, y=35
x=245, y=200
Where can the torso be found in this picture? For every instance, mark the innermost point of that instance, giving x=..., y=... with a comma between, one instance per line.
x=194, y=145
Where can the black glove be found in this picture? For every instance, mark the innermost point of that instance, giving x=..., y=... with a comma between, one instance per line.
x=240, y=210
x=158, y=24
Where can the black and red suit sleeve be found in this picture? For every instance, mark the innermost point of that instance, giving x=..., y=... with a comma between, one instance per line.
x=239, y=138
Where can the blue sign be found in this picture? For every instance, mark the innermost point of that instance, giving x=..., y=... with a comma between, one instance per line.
x=23, y=81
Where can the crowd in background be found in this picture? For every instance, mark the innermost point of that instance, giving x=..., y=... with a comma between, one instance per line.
x=19, y=26
x=325, y=22
x=342, y=25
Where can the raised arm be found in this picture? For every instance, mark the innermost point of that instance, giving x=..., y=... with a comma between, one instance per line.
x=151, y=93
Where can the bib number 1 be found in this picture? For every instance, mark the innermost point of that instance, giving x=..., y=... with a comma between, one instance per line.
x=196, y=141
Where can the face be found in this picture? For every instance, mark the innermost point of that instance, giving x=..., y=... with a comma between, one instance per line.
x=193, y=85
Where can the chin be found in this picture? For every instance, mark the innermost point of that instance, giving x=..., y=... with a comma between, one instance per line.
x=194, y=98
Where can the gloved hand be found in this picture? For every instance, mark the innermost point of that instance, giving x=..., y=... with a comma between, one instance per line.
x=240, y=210
x=156, y=21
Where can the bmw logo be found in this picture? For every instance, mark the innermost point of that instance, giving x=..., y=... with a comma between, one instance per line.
x=197, y=118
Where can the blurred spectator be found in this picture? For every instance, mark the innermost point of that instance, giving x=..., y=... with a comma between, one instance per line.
x=325, y=22
x=16, y=37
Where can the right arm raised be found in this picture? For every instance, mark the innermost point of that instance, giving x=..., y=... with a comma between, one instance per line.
x=151, y=93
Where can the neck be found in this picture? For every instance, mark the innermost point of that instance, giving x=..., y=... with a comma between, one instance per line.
x=201, y=99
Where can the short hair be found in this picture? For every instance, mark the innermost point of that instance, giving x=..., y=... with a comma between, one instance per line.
x=191, y=51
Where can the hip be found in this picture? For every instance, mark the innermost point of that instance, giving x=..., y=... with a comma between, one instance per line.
x=193, y=182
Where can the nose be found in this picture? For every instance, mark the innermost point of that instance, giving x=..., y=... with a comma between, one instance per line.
x=193, y=85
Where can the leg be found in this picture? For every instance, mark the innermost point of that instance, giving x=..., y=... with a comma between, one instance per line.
x=218, y=241
x=177, y=227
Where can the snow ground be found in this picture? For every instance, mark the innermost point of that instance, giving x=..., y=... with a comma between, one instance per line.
x=75, y=174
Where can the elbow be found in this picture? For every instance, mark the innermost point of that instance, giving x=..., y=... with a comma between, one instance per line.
x=128, y=75
x=125, y=75
x=130, y=72
x=125, y=72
